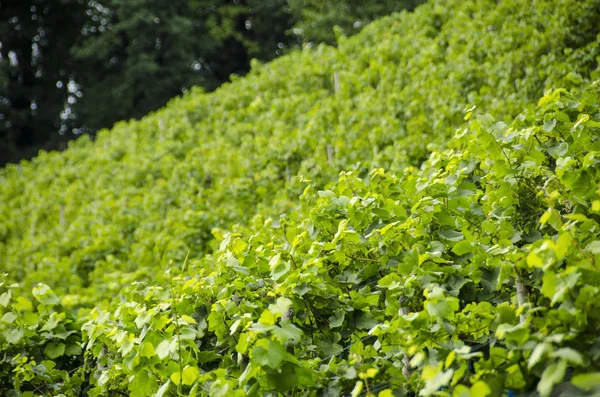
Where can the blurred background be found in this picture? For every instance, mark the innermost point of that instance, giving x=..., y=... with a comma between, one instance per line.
x=72, y=67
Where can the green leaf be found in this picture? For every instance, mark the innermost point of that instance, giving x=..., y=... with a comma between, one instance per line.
x=593, y=247
x=73, y=349
x=23, y=304
x=8, y=318
x=286, y=332
x=274, y=261
x=364, y=320
x=549, y=125
x=141, y=386
x=451, y=235
x=127, y=344
x=54, y=350
x=566, y=284
x=53, y=321
x=280, y=307
x=305, y=376
x=143, y=319
x=280, y=270
x=534, y=260
x=267, y=318
x=552, y=217
x=461, y=391
x=552, y=375
x=462, y=247
x=549, y=284
x=176, y=377
x=45, y=295
x=586, y=381
x=441, y=308
x=435, y=381
x=337, y=319
x=480, y=389
x=194, y=390
x=220, y=388
x=569, y=355
x=268, y=353
x=163, y=349
x=14, y=335
x=233, y=263
x=563, y=245
x=188, y=319
x=189, y=375
x=147, y=349
x=5, y=298
x=187, y=333
x=538, y=354
x=285, y=380
x=242, y=345
x=163, y=389
x=31, y=318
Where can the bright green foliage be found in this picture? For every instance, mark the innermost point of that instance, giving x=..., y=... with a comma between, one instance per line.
x=40, y=342
x=467, y=275
x=448, y=242
x=147, y=192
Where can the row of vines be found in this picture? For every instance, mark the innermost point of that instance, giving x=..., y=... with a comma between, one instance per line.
x=400, y=215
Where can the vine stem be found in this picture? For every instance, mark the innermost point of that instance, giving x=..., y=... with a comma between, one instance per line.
x=175, y=318
x=363, y=259
x=521, y=296
x=501, y=148
x=174, y=299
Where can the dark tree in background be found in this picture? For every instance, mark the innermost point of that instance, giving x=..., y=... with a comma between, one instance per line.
x=134, y=56
x=69, y=67
x=315, y=19
x=35, y=42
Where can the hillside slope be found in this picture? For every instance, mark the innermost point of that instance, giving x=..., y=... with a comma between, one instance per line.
x=380, y=264
x=158, y=187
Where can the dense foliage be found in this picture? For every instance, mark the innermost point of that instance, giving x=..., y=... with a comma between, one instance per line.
x=75, y=66
x=455, y=253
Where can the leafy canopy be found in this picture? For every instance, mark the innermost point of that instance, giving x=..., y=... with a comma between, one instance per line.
x=341, y=221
